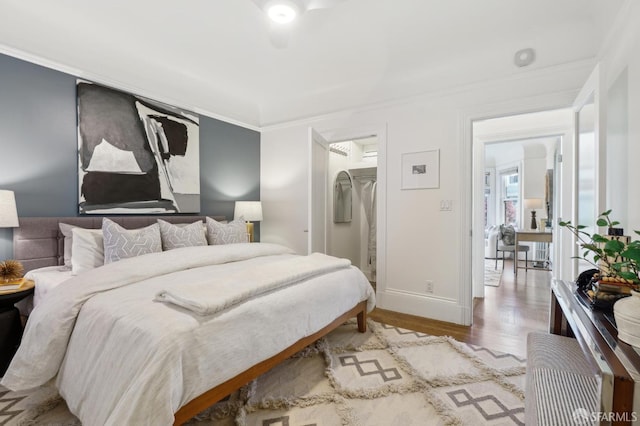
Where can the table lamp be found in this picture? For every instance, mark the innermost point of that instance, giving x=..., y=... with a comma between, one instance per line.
x=8, y=219
x=533, y=204
x=251, y=211
x=8, y=210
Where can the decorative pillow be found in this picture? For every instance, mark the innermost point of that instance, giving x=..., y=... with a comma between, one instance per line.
x=67, y=231
x=229, y=233
x=121, y=243
x=182, y=235
x=508, y=234
x=87, y=249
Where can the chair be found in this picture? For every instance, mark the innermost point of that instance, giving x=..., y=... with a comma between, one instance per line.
x=506, y=242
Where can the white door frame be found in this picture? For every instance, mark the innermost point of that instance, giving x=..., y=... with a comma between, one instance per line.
x=360, y=132
x=465, y=120
x=593, y=88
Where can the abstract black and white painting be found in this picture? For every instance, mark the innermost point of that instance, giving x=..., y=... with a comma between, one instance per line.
x=136, y=156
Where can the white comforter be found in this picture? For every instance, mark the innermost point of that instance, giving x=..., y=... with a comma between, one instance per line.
x=122, y=358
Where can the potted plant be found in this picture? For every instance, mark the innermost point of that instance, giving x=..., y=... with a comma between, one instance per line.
x=617, y=260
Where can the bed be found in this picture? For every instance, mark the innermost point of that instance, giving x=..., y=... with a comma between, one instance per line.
x=123, y=351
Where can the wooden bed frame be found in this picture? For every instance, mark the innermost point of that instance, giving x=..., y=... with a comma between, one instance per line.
x=38, y=242
x=214, y=395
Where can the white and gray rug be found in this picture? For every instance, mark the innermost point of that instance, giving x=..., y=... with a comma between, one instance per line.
x=386, y=376
x=492, y=276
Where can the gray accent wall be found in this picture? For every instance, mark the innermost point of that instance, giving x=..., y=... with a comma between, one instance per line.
x=39, y=144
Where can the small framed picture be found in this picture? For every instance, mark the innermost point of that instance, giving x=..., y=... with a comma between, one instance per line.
x=421, y=170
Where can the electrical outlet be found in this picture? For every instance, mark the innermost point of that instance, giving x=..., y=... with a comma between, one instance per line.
x=429, y=286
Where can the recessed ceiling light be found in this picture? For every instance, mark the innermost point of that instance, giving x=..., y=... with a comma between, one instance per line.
x=524, y=57
x=282, y=12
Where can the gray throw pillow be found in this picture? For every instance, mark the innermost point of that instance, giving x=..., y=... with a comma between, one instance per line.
x=508, y=235
x=226, y=233
x=181, y=235
x=121, y=243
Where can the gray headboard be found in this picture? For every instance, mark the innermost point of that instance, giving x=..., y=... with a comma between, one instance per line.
x=38, y=241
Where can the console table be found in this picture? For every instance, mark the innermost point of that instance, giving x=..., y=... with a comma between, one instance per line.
x=535, y=237
x=617, y=363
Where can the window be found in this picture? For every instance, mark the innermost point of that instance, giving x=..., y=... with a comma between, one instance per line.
x=510, y=196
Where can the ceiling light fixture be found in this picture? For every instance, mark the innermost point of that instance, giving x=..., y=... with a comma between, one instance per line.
x=282, y=11
x=524, y=57
x=281, y=14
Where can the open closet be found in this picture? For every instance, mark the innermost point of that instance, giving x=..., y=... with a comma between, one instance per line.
x=352, y=189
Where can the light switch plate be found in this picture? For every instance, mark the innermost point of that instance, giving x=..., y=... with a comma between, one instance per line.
x=446, y=205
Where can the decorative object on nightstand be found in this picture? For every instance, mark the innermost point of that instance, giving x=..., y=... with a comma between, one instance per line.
x=533, y=204
x=251, y=211
x=10, y=272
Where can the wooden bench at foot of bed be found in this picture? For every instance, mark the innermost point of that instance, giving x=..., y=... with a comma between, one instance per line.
x=214, y=395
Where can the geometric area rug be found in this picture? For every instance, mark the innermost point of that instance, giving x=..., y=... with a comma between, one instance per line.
x=386, y=376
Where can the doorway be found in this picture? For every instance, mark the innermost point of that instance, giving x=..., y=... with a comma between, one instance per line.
x=518, y=194
x=516, y=169
x=359, y=154
x=352, y=203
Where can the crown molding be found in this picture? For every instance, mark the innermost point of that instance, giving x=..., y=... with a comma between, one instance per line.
x=116, y=84
x=586, y=64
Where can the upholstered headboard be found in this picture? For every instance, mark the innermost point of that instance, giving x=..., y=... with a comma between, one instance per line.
x=38, y=241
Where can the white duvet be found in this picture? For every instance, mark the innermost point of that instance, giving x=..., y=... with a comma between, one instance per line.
x=46, y=279
x=119, y=357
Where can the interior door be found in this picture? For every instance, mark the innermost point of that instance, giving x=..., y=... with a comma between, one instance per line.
x=318, y=169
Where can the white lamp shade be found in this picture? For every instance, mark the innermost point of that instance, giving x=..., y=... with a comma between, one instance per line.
x=533, y=203
x=8, y=210
x=250, y=210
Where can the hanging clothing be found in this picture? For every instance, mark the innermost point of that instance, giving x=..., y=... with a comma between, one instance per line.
x=369, y=204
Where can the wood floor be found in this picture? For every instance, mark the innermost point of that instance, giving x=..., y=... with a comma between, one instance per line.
x=501, y=321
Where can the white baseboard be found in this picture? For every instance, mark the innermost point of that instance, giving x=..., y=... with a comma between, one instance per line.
x=419, y=305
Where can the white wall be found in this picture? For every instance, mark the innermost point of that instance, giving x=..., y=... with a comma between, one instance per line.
x=623, y=56
x=422, y=242
x=617, y=148
x=530, y=156
x=534, y=168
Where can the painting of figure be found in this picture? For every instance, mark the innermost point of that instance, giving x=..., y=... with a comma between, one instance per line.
x=135, y=156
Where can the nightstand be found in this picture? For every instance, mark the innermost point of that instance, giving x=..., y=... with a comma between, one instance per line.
x=10, y=324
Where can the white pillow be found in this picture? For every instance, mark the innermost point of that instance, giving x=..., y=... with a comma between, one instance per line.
x=87, y=249
x=230, y=233
x=66, y=230
x=121, y=243
x=182, y=234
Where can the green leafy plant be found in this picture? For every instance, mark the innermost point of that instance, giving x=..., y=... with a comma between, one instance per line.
x=611, y=256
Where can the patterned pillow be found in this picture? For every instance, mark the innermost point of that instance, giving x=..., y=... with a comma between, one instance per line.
x=508, y=234
x=229, y=233
x=182, y=235
x=121, y=243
